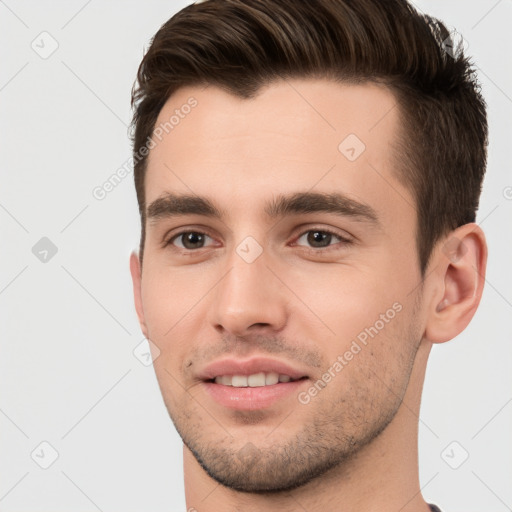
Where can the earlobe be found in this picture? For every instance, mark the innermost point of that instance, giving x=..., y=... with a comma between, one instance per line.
x=461, y=260
x=135, y=271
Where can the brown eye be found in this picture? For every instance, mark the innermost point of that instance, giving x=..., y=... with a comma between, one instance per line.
x=189, y=240
x=320, y=238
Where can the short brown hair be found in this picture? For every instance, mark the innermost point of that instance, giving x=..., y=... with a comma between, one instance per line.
x=241, y=45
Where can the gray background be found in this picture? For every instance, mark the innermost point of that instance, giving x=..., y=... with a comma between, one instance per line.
x=69, y=376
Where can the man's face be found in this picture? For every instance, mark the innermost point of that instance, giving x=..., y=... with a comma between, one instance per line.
x=329, y=298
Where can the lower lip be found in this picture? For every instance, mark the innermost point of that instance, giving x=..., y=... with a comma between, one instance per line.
x=250, y=399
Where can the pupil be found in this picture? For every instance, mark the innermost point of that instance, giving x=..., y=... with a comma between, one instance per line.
x=192, y=239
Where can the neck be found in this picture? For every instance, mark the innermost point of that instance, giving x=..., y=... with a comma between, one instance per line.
x=382, y=476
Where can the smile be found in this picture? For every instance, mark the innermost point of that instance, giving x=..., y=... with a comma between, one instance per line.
x=253, y=381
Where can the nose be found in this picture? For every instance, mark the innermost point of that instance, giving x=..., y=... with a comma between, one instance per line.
x=248, y=298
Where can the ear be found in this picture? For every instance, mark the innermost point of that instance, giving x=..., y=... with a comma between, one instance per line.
x=459, y=267
x=135, y=270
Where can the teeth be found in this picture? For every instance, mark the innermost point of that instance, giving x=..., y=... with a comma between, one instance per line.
x=239, y=381
x=255, y=380
x=271, y=378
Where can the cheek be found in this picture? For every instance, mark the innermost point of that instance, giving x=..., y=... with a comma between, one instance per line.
x=168, y=325
x=347, y=299
x=368, y=326
x=371, y=373
x=169, y=298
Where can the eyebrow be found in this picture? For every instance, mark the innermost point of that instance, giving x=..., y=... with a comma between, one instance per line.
x=173, y=205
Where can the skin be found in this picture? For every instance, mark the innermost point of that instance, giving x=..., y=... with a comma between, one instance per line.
x=297, y=302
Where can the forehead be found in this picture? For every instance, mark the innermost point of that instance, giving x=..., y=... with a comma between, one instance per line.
x=312, y=109
x=294, y=135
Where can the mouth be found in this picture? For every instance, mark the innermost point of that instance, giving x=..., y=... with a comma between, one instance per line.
x=253, y=384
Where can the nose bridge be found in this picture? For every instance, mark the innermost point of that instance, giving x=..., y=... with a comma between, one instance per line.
x=248, y=293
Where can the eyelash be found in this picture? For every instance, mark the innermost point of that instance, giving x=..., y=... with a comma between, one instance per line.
x=343, y=240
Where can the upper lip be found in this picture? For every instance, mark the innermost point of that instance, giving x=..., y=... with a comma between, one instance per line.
x=232, y=366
